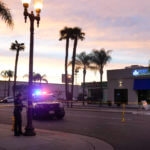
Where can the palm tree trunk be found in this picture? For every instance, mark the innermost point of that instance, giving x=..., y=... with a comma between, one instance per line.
x=8, y=92
x=66, y=71
x=5, y=89
x=15, y=74
x=101, y=86
x=84, y=74
x=73, y=66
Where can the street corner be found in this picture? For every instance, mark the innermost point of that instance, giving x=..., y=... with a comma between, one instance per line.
x=46, y=139
x=69, y=141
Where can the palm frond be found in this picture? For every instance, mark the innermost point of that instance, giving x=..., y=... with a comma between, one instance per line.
x=45, y=80
x=100, y=57
x=65, y=33
x=5, y=14
x=77, y=33
x=7, y=73
x=17, y=46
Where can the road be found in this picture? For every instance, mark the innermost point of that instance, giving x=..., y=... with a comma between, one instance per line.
x=133, y=134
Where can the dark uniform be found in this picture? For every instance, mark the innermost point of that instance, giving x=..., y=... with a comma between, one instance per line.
x=17, y=115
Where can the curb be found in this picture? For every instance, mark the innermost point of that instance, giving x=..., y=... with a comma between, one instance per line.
x=95, y=110
x=48, y=139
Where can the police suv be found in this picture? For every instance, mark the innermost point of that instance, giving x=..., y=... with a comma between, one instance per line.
x=46, y=105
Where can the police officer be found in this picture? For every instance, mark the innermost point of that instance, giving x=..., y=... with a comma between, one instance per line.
x=17, y=115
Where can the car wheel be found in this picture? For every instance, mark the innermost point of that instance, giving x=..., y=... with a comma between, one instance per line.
x=5, y=101
x=60, y=116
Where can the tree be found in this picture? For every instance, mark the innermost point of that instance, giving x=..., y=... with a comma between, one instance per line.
x=100, y=58
x=39, y=77
x=7, y=17
x=16, y=47
x=83, y=61
x=4, y=75
x=77, y=34
x=8, y=74
x=66, y=34
x=5, y=14
x=76, y=71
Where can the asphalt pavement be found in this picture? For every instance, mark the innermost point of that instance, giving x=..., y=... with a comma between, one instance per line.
x=96, y=108
x=46, y=139
x=111, y=131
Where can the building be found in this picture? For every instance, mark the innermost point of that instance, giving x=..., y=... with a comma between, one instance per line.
x=130, y=85
x=57, y=89
x=94, y=91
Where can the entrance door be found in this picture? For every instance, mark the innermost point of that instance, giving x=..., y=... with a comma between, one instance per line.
x=144, y=95
x=121, y=96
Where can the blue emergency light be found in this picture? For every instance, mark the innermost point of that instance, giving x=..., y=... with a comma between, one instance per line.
x=38, y=92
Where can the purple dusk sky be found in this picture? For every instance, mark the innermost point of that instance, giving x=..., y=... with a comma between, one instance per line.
x=120, y=26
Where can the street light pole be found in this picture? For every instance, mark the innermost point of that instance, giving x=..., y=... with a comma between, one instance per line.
x=29, y=130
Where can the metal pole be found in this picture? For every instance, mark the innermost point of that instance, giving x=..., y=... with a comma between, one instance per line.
x=123, y=119
x=29, y=130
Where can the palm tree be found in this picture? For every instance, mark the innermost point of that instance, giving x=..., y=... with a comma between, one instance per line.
x=4, y=75
x=77, y=34
x=65, y=34
x=5, y=14
x=83, y=61
x=9, y=74
x=100, y=58
x=39, y=77
x=76, y=71
x=7, y=17
x=16, y=47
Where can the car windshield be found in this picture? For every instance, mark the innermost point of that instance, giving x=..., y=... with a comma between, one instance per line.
x=43, y=98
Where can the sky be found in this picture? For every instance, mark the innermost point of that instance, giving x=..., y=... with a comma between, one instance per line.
x=120, y=26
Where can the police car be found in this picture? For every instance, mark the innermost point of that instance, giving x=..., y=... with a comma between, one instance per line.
x=46, y=105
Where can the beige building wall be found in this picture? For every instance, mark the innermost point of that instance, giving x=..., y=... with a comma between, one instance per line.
x=126, y=84
x=56, y=89
x=122, y=79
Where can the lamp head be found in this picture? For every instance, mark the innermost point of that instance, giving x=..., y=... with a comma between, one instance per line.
x=38, y=5
x=26, y=3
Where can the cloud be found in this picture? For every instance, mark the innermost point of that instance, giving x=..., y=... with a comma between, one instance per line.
x=122, y=26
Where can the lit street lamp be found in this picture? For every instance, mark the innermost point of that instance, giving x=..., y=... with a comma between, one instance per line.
x=29, y=130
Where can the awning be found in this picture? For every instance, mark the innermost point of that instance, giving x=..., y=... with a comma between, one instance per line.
x=141, y=84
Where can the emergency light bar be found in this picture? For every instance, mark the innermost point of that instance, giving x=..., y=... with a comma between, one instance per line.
x=39, y=93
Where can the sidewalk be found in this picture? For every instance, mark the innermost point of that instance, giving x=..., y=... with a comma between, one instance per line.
x=49, y=140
